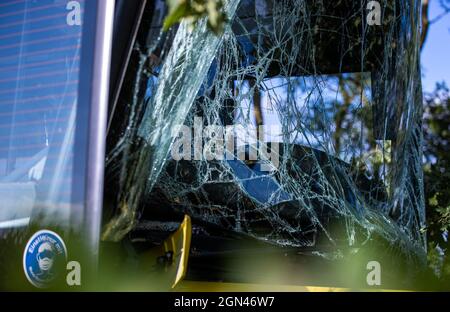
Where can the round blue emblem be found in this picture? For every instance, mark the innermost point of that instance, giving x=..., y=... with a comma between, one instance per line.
x=44, y=257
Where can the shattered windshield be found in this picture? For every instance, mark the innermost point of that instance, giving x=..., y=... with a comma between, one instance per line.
x=299, y=125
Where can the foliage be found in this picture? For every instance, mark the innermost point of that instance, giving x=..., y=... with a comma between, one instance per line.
x=194, y=10
x=437, y=174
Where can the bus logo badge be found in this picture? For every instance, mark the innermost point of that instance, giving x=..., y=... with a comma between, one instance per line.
x=44, y=257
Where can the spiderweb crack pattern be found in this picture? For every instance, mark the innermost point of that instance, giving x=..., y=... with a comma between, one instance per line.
x=346, y=96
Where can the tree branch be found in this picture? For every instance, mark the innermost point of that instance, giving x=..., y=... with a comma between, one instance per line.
x=425, y=22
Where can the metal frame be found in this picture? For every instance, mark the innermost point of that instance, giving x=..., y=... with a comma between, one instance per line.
x=87, y=198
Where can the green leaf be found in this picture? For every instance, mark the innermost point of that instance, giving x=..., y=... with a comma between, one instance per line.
x=194, y=10
x=177, y=10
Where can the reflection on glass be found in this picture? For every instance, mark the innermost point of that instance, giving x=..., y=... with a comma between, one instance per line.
x=39, y=71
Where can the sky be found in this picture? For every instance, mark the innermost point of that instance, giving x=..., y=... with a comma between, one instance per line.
x=436, y=52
